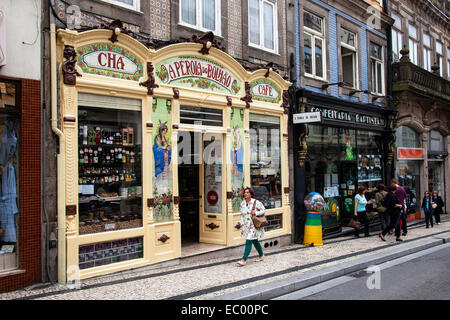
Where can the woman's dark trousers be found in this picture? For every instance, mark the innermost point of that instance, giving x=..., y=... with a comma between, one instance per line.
x=393, y=224
x=362, y=218
x=429, y=219
x=437, y=215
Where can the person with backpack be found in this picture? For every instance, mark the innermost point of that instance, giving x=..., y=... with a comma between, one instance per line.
x=427, y=209
x=381, y=209
x=393, y=209
x=437, y=206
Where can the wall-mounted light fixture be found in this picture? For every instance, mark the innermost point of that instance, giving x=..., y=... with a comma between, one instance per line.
x=352, y=92
x=379, y=97
x=340, y=84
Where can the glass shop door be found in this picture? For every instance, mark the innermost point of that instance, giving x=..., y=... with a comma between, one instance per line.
x=348, y=190
x=212, y=219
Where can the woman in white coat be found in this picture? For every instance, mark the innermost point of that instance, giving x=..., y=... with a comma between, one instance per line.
x=248, y=230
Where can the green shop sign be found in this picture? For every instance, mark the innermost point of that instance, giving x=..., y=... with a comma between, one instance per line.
x=198, y=73
x=265, y=90
x=109, y=60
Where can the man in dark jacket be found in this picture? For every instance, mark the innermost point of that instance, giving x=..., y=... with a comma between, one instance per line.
x=401, y=195
x=393, y=209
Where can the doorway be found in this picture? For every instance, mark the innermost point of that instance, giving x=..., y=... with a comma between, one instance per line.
x=201, y=191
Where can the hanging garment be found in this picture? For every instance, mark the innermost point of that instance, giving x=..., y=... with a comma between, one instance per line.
x=9, y=142
x=8, y=203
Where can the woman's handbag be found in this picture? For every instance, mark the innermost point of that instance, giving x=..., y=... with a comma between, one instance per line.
x=354, y=224
x=434, y=205
x=259, y=221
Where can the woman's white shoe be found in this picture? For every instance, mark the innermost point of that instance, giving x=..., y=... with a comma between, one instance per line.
x=241, y=263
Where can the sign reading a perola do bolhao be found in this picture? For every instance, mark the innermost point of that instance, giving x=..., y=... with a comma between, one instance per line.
x=109, y=60
x=198, y=73
x=265, y=90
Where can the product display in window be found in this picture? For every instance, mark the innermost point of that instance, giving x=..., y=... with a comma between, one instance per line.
x=265, y=161
x=109, y=170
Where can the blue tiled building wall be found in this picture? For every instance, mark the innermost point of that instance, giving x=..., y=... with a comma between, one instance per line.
x=333, y=51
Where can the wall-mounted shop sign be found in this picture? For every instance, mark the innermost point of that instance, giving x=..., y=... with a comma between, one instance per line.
x=410, y=154
x=349, y=117
x=109, y=60
x=198, y=73
x=265, y=90
x=306, y=117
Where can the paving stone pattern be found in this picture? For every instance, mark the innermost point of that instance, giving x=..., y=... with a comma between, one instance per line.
x=206, y=280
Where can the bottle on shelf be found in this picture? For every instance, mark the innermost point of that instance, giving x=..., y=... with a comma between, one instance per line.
x=97, y=135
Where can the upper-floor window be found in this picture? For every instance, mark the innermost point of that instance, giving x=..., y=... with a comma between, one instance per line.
x=203, y=15
x=439, y=57
x=314, y=46
x=129, y=4
x=349, y=58
x=262, y=24
x=448, y=63
x=397, y=37
x=376, y=68
x=413, y=44
x=426, y=52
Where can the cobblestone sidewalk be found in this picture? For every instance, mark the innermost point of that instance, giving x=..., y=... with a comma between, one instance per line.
x=220, y=276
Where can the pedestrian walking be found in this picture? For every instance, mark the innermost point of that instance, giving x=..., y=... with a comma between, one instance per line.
x=437, y=206
x=361, y=211
x=393, y=209
x=427, y=210
x=401, y=195
x=249, y=208
x=380, y=194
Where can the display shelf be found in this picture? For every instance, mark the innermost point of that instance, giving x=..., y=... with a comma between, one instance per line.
x=369, y=180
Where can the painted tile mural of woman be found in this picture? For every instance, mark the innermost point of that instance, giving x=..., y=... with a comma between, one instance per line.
x=162, y=155
x=237, y=158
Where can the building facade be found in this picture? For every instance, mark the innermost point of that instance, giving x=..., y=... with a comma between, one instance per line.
x=342, y=72
x=421, y=92
x=162, y=112
x=20, y=146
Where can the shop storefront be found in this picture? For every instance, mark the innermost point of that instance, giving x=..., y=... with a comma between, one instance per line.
x=158, y=148
x=347, y=149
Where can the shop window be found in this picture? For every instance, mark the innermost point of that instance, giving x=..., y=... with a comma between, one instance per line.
x=100, y=254
x=262, y=24
x=265, y=159
x=203, y=15
x=129, y=4
x=201, y=116
x=406, y=137
x=9, y=169
x=349, y=58
x=110, y=169
x=436, y=141
x=376, y=69
x=314, y=49
x=370, y=160
x=413, y=44
x=409, y=177
x=275, y=222
x=426, y=52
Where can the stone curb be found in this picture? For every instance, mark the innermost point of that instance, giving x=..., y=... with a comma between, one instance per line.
x=273, y=289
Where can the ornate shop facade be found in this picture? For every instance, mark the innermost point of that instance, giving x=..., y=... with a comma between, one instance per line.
x=156, y=147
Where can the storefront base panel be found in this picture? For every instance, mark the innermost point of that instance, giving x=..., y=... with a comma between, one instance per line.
x=166, y=243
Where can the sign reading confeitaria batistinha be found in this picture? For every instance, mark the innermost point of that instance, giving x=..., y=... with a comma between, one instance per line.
x=198, y=73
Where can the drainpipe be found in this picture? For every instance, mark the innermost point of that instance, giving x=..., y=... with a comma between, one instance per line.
x=60, y=162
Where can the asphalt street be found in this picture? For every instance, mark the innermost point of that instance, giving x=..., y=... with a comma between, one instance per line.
x=421, y=276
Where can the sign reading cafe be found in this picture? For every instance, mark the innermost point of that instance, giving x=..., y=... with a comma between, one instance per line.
x=197, y=72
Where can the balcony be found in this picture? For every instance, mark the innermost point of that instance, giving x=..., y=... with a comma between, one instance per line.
x=408, y=76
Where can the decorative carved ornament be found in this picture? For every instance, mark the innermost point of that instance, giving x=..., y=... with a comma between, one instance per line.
x=70, y=73
x=163, y=238
x=208, y=40
x=212, y=226
x=150, y=82
x=117, y=27
x=248, y=95
x=285, y=104
x=176, y=93
x=229, y=101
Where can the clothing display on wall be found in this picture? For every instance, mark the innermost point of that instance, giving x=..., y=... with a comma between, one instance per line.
x=8, y=190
